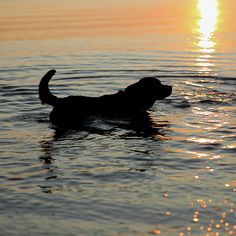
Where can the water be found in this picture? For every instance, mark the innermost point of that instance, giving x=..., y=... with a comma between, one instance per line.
x=171, y=175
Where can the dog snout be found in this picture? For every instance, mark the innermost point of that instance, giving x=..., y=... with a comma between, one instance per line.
x=168, y=90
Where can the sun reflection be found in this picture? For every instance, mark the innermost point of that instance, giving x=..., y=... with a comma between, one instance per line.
x=207, y=23
x=206, y=141
x=207, y=26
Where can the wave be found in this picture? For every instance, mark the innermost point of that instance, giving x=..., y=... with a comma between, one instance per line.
x=128, y=73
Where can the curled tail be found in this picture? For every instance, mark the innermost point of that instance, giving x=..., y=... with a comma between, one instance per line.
x=44, y=93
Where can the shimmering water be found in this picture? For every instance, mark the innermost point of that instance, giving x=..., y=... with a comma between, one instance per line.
x=171, y=175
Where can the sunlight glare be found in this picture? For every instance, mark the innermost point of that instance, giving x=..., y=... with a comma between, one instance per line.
x=209, y=12
x=206, y=27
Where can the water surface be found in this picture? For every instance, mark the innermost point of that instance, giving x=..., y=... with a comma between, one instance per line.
x=172, y=174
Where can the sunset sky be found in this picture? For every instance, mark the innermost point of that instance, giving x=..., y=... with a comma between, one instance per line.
x=31, y=20
x=66, y=18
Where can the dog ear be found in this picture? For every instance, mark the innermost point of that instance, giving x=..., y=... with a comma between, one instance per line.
x=133, y=89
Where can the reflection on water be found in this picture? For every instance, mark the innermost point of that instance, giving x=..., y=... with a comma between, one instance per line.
x=207, y=26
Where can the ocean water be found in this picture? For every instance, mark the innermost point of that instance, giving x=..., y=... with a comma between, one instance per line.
x=171, y=174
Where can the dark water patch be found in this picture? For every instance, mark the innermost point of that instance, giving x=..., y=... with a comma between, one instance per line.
x=88, y=77
x=181, y=104
x=29, y=118
x=23, y=90
x=111, y=71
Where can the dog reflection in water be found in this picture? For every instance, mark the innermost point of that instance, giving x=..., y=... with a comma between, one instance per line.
x=72, y=111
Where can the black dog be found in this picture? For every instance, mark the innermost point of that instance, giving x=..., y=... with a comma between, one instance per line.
x=71, y=111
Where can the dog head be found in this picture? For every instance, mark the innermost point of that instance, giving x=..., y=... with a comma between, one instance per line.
x=149, y=88
x=145, y=92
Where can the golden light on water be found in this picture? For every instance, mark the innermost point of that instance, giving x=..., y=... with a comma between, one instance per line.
x=207, y=26
x=209, y=12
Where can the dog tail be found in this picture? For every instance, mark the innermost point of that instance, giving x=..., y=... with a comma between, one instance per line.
x=44, y=93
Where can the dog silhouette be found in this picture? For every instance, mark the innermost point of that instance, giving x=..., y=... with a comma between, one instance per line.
x=71, y=111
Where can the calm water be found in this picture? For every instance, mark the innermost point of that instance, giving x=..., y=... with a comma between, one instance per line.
x=171, y=175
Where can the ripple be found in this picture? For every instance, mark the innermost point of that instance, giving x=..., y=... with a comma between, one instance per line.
x=177, y=169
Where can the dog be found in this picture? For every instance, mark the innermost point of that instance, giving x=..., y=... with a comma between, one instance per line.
x=71, y=111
